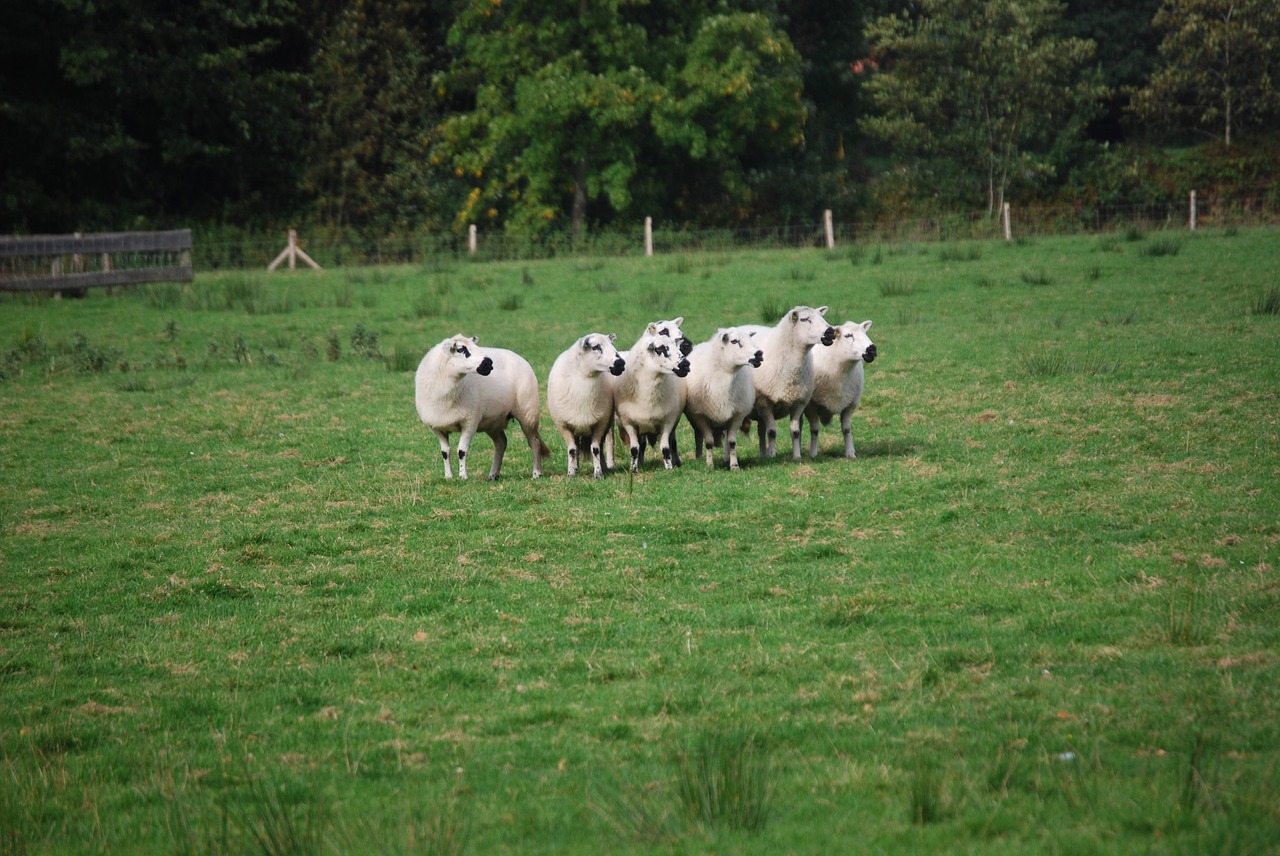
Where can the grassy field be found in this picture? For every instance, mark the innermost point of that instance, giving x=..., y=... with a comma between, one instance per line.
x=242, y=611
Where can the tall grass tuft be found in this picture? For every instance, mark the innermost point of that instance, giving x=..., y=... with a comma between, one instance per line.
x=273, y=826
x=897, y=287
x=659, y=301
x=1040, y=276
x=432, y=303
x=723, y=781
x=771, y=310
x=1043, y=364
x=960, y=252
x=403, y=359
x=1266, y=304
x=925, y=799
x=1162, y=246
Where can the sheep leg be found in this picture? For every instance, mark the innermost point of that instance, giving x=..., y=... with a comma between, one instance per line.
x=609, y=461
x=464, y=445
x=675, y=451
x=536, y=447
x=768, y=429
x=444, y=453
x=499, y=449
x=814, y=427
x=666, y=441
x=571, y=443
x=637, y=451
x=595, y=457
x=731, y=445
x=796, y=417
x=846, y=417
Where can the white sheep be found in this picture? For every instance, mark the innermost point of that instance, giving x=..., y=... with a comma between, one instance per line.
x=461, y=387
x=648, y=398
x=784, y=383
x=838, y=379
x=580, y=396
x=720, y=392
x=670, y=329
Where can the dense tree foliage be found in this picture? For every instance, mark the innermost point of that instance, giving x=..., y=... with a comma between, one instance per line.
x=402, y=116
x=980, y=90
x=1219, y=66
x=122, y=110
x=568, y=110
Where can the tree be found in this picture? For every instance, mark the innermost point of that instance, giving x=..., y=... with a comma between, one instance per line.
x=374, y=114
x=142, y=111
x=1125, y=58
x=625, y=106
x=1220, y=66
x=980, y=91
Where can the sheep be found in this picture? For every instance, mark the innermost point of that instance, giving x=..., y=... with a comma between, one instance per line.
x=720, y=392
x=454, y=392
x=580, y=396
x=784, y=383
x=648, y=398
x=838, y=378
x=669, y=328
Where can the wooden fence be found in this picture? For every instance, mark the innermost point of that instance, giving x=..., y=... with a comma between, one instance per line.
x=72, y=263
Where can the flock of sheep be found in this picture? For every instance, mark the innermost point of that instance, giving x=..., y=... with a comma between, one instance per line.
x=801, y=367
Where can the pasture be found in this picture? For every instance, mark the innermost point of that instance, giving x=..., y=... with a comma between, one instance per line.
x=241, y=610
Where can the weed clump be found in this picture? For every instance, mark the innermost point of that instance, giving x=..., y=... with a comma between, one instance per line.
x=1266, y=304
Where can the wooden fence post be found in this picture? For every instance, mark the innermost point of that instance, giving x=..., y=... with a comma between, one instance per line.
x=471, y=238
x=1008, y=231
x=293, y=252
x=648, y=236
x=829, y=229
x=1191, y=217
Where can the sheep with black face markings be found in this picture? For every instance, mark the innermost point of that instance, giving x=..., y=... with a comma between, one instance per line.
x=784, y=383
x=648, y=398
x=463, y=388
x=838, y=380
x=720, y=392
x=669, y=329
x=580, y=396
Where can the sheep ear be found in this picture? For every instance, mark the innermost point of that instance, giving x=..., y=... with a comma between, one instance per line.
x=795, y=316
x=613, y=337
x=866, y=325
x=586, y=343
x=475, y=340
x=724, y=338
x=678, y=321
x=822, y=310
x=652, y=329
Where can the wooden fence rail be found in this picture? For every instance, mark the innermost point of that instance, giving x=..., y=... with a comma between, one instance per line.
x=72, y=263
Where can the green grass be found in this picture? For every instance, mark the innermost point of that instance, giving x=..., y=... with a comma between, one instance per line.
x=241, y=610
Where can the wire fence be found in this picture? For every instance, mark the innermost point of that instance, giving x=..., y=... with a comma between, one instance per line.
x=333, y=250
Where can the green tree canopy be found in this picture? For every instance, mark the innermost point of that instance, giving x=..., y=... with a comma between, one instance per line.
x=1219, y=69
x=624, y=106
x=979, y=91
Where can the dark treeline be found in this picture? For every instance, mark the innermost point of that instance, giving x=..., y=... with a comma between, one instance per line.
x=533, y=116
